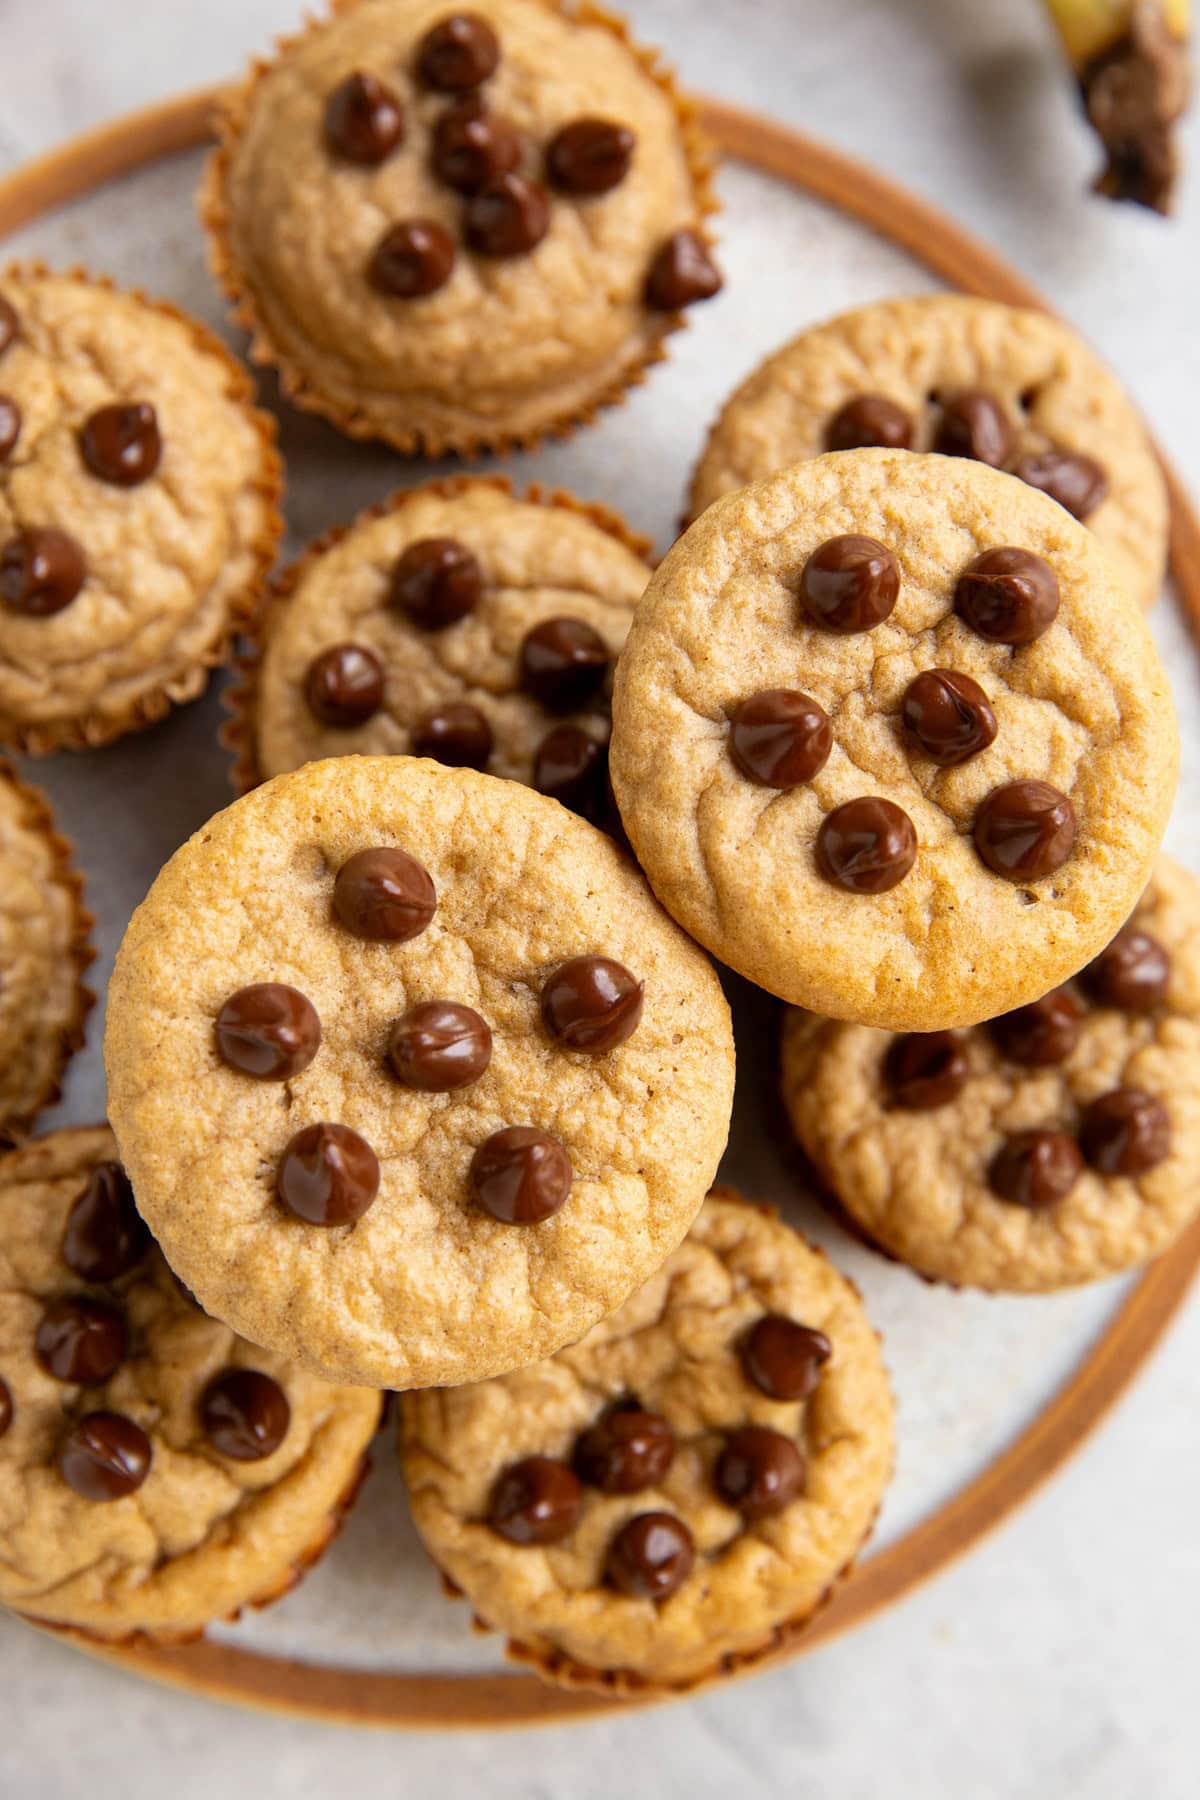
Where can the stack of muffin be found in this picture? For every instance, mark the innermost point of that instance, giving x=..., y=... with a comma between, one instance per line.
x=419, y=1073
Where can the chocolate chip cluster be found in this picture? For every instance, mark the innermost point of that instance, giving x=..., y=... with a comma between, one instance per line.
x=779, y=738
x=1124, y=1132
x=478, y=154
x=82, y=1340
x=328, y=1174
x=757, y=1471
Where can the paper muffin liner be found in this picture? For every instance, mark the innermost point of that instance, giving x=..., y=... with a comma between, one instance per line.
x=233, y=109
x=93, y=728
x=240, y=698
x=39, y=818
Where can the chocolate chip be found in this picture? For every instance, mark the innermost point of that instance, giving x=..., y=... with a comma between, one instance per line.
x=384, y=895
x=592, y=1003
x=81, y=1340
x=413, y=258
x=268, y=1030
x=104, y=1236
x=1075, y=481
x=1035, y=1168
x=949, y=715
x=10, y=426
x=869, y=421
x=759, y=1471
x=1008, y=595
x=245, y=1414
x=850, y=584
x=1025, y=830
x=458, y=53
x=571, y=767
x=521, y=1175
x=456, y=734
x=472, y=145
x=783, y=1359
x=866, y=846
x=344, y=686
x=974, y=424
x=105, y=1456
x=9, y=323
x=364, y=120
x=564, y=663
x=651, y=1556
x=509, y=216
x=438, y=1045
x=1041, y=1034
x=121, y=444
x=41, y=571
x=436, y=581
x=589, y=156
x=925, y=1069
x=328, y=1175
x=536, y=1501
x=626, y=1450
x=6, y=1408
x=780, y=738
x=682, y=273
x=1125, y=1132
x=1133, y=973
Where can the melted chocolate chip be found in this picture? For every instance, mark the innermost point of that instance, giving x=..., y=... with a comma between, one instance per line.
x=1125, y=1132
x=626, y=1450
x=1008, y=595
x=364, y=120
x=1041, y=1034
x=564, y=664
x=509, y=216
x=759, y=1471
x=1025, y=831
x=589, y=156
x=456, y=734
x=6, y=1407
x=682, y=273
x=591, y=1003
x=1076, y=482
x=268, y=1030
x=973, y=424
x=1132, y=974
x=436, y=581
x=571, y=767
x=328, y=1175
x=105, y=1456
x=866, y=846
x=869, y=421
x=81, y=1340
x=344, y=686
x=104, y=1236
x=780, y=738
x=458, y=53
x=925, y=1069
x=438, y=1045
x=521, y=1175
x=651, y=1556
x=9, y=323
x=1035, y=1168
x=41, y=571
x=121, y=444
x=413, y=258
x=245, y=1414
x=384, y=895
x=536, y=1501
x=10, y=426
x=949, y=716
x=850, y=584
x=783, y=1359
x=472, y=145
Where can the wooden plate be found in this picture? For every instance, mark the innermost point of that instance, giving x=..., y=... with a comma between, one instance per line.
x=367, y=1697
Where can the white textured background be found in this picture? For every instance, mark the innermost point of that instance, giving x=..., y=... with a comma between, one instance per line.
x=1059, y=1661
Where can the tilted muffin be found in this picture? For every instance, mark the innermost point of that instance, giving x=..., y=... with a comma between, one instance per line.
x=459, y=228
x=676, y=1495
x=413, y=1078
x=156, y=1473
x=453, y=621
x=139, y=512
x=1057, y=1144
x=889, y=738
x=45, y=948
x=1004, y=385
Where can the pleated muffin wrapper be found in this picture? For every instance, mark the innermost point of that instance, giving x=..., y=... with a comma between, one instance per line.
x=241, y=698
x=465, y=439
x=153, y=698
